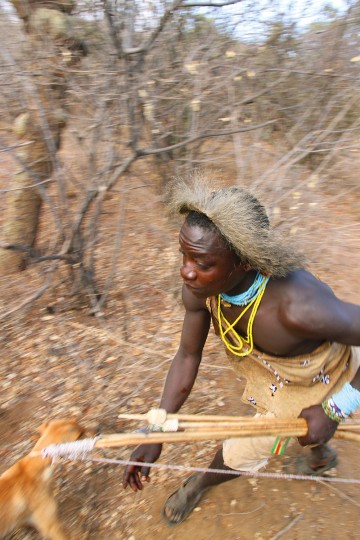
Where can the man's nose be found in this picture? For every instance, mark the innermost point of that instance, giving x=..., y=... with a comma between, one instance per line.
x=187, y=272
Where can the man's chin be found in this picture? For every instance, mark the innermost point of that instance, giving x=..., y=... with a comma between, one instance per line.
x=199, y=293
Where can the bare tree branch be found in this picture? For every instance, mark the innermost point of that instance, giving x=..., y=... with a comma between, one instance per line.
x=144, y=152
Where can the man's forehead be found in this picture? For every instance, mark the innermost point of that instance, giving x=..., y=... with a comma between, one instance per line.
x=208, y=239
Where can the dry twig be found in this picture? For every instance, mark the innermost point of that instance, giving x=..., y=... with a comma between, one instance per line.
x=287, y=528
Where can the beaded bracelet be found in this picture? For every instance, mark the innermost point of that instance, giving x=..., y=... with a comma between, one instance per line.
x=347, y=399
x=343, y=403
x=332, y=411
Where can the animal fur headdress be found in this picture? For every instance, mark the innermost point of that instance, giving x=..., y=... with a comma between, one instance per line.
x=240, y=218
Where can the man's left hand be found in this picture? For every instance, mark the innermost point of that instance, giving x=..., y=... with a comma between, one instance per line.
x=320, y=427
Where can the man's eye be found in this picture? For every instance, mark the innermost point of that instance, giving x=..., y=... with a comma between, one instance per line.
x=202, y=266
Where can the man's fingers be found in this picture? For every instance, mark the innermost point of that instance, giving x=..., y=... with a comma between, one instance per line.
x=145, y=471
x=127, y=474
x=126, y=478
x=132, y=478
x=135, y=482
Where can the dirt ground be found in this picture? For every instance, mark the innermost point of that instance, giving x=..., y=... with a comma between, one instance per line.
x=59, y=361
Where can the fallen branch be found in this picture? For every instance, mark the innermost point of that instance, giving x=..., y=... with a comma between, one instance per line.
x=340, y=493
x=287, y=528
x=27, y=301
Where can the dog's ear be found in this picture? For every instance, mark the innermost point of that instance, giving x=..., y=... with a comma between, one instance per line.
x=42, y=428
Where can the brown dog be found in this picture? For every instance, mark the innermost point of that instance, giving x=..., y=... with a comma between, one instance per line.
x=25, y=489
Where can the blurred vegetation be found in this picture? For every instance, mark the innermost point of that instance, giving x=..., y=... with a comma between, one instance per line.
x=175, y=86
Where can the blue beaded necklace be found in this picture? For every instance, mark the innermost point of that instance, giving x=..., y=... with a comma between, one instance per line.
x=246, y=297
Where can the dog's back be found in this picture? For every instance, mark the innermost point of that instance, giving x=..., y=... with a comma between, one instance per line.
x=25, y=494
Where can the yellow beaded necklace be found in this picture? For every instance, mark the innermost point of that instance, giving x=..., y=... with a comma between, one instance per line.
x=238, y=349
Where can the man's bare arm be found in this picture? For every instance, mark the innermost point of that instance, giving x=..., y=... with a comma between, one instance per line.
x=184, y=367
x=311, y=310
x=179, y=382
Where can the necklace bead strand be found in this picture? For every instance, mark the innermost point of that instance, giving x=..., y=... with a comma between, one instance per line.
x=249, y=295
x=237, y=350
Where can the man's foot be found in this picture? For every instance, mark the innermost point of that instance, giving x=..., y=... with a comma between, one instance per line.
x=321, y=459
x=182, y=502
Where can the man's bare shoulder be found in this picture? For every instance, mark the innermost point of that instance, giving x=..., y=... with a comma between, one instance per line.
x=302, y=284
x=304, y=299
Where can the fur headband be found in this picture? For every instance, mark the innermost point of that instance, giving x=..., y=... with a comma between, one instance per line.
x=239, y=217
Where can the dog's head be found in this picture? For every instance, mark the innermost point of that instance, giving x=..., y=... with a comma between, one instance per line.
x=59, y=431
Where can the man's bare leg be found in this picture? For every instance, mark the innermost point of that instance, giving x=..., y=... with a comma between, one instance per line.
x=322, y=457
x=183, y=501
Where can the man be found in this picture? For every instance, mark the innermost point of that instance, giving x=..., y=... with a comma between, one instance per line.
x=285, y=332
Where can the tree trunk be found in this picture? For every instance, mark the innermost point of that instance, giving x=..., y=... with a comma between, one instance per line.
x=38, y=130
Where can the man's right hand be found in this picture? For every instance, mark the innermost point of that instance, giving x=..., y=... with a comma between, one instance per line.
x=320, y=427
x=134, y=475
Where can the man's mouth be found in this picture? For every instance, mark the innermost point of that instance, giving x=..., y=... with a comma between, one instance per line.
x=190, y=286
x=195, y=290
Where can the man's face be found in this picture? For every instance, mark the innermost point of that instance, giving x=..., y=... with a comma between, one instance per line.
x=209, y=267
